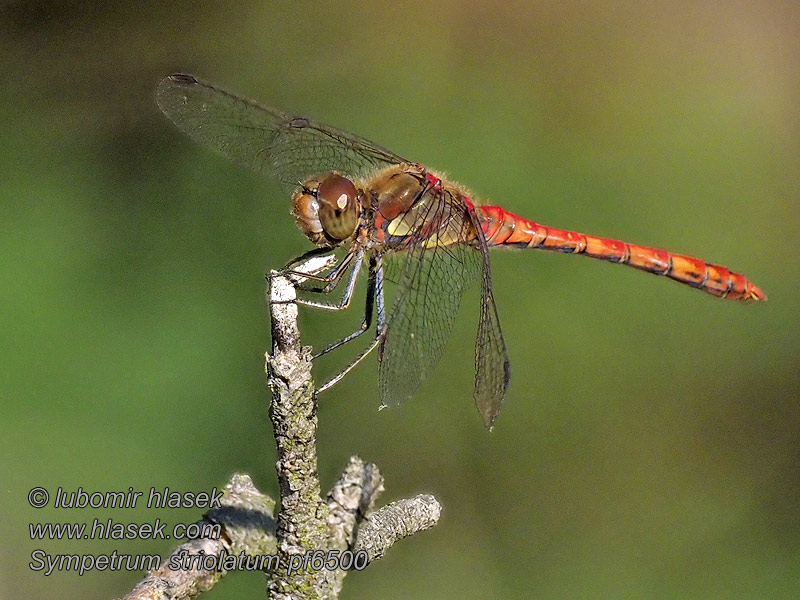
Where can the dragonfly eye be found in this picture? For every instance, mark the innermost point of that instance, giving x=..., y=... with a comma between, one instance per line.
x=339, y=206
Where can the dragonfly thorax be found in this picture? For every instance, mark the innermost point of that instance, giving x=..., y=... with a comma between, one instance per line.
x=327, y=209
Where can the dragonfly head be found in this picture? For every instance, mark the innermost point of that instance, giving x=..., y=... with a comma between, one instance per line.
x=327, y=209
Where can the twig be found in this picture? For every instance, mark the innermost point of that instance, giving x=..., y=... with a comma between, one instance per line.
x=247, y=526
x=350, y=499
x=302, y=520
x=396, y=521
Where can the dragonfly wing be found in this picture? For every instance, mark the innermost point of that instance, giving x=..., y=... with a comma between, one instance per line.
x=492, y=366
x=432, y=276
x=263, y=139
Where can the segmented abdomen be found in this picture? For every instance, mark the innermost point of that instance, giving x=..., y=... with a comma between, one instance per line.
x=504, y=228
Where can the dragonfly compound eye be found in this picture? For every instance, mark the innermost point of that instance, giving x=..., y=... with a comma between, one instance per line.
x=339, y=206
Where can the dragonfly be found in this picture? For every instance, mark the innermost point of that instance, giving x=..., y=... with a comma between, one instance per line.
x=396, y=216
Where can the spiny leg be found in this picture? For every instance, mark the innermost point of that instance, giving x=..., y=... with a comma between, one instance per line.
x=316, y=251
x=356, y=256
x=379, y=329
x=375, y=275
x=330, y=279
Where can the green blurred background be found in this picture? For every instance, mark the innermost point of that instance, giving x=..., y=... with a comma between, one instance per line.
x=650, y=442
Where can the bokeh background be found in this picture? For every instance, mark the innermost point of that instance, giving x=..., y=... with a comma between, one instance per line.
x=650, y=442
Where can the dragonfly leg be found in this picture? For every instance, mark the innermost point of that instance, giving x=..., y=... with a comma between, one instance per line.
x=316, y=251
x=375, y=278
x=330, y=279
x=377, y=298
x=356, y=257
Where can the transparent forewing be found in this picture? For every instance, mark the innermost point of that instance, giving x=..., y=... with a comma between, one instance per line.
x=433, y=275
x=263, y=139
x=492, y=367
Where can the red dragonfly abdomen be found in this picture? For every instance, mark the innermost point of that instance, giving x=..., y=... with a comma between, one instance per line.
x=503, y=228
